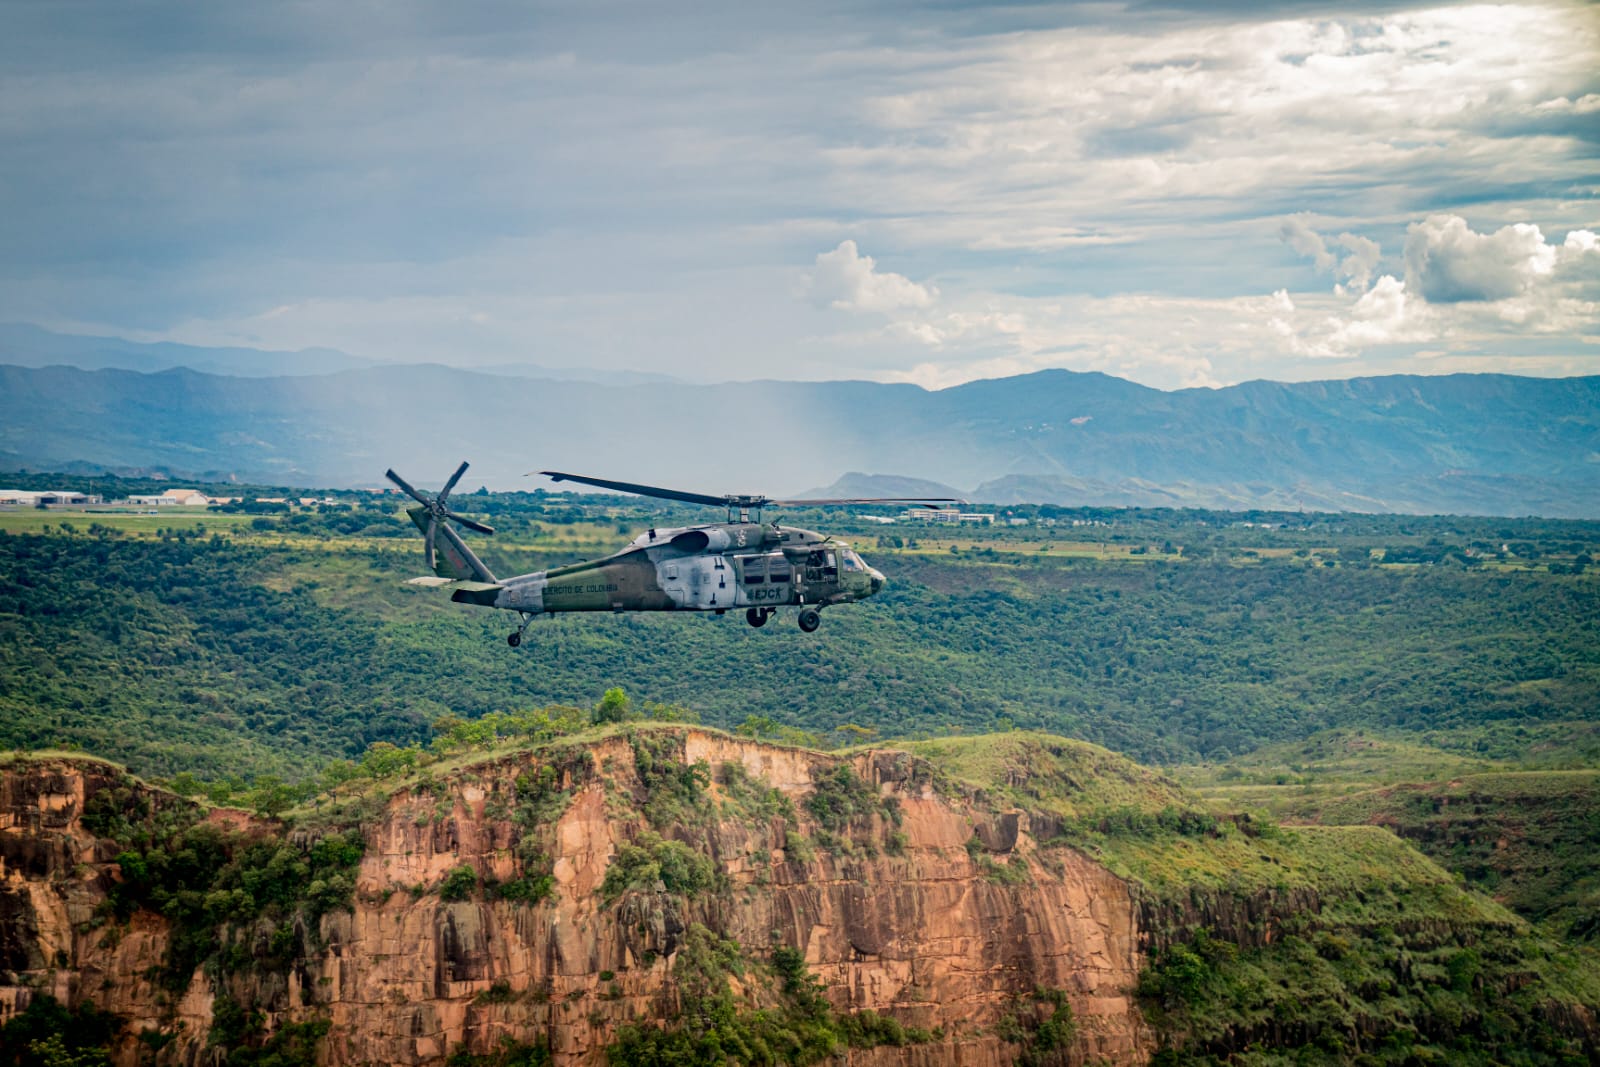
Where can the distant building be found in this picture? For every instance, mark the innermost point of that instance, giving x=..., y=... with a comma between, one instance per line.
x=35, y=497
x=189, y=498
x=948, y=516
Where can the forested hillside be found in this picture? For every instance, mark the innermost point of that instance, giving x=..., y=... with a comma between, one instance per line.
x=275, y=643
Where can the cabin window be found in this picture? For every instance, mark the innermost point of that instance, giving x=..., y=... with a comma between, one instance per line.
x=778, y=568
x=753, y=571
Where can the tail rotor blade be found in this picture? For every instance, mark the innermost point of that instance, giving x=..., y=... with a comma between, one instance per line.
x=471, y=524
x=451, y=484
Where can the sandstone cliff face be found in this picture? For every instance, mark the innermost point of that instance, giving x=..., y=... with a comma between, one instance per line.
x=907, y=920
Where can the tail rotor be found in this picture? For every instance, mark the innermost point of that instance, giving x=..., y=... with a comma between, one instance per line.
x=436, y=508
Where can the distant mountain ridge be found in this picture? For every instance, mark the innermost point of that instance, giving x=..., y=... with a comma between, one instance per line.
x=1468, y=443
x=27, y=345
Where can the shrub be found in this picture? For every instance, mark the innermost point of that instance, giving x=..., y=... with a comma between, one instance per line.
x=679, y=868
x=459, y=884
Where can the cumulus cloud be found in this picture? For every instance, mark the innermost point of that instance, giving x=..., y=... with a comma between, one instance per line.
x=1382, y=316
x=846, y=280
x=1463, y=291
x=1385, y=314
x=1447, y=263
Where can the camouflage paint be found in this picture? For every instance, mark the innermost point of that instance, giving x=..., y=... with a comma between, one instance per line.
x=716, y=567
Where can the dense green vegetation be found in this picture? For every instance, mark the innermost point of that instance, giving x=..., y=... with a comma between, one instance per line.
x=277, y=645
x=217, y=885
x=1323, y=995
x=48, y=1034
x=1530, y=838
x=1521, y=830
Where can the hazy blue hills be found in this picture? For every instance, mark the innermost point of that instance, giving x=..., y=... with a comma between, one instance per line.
x=27, y=345
x=1481, y=444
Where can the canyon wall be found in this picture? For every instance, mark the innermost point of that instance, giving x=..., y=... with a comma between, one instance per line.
x=930, y=909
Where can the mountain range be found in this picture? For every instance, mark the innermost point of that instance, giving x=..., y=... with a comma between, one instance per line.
x=1464, y=443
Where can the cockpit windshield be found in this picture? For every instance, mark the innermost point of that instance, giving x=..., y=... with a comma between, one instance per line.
x=852, y=562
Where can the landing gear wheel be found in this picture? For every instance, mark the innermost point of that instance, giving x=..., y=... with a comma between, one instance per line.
x=514, y=639
x=756, y=616
x=810, y=619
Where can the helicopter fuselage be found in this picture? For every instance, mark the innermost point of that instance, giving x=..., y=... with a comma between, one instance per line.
x=715, y=567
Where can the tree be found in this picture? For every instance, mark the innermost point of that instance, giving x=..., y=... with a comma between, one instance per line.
x=757, y=726
x=613, y=707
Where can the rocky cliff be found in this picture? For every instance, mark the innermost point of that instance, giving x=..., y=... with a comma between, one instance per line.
x=652, y=894
x=535, y=899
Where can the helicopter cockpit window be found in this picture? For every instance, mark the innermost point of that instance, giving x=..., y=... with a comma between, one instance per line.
x=822, y=564
x=852, y=562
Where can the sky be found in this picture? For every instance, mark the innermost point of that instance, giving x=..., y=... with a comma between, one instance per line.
x=1178, y=194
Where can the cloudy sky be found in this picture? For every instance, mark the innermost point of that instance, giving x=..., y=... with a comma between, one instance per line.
x=928, y=192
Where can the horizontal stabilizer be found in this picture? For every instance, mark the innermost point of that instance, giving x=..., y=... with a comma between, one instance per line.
x=429, y=581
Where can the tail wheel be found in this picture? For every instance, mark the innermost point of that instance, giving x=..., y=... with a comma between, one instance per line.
x=755, y=616
x=514, y=639
x=810, y=619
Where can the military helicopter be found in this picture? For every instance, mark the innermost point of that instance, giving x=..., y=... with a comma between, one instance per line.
x=717, y=567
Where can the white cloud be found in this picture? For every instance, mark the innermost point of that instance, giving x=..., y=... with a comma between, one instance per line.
x=1295, y=233
x=1470, y=294
x=846, y=280
x=1357, y=267
x=664, y=183
x=1446, y=262
x=1584, y=105
x=1383, y=315
x=1353, y=270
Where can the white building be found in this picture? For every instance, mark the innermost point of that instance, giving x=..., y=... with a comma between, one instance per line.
x=191, y=498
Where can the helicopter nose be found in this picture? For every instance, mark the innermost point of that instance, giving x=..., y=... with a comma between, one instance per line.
x=878, y=580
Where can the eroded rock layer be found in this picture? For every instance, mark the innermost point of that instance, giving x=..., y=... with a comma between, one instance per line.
x=924, y=907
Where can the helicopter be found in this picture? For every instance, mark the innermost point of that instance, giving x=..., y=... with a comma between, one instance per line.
x=717, y=567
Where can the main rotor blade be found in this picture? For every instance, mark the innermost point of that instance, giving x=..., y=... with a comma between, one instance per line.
x=867, y=500
x=433, y=528
x=451, y=484
x=650, y=490
x=471, y=524
x=403, y=484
